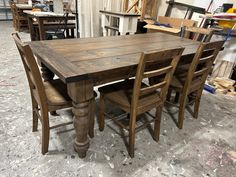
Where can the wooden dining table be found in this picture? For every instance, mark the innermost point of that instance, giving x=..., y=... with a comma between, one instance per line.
x=46, y=20
x=85, y=63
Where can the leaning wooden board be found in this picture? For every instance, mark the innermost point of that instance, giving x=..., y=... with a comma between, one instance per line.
x=84, y=63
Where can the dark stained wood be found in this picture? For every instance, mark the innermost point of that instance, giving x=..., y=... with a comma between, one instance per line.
x=84, y=63
x=135, y=97
x=70, y=59
x=189, y=82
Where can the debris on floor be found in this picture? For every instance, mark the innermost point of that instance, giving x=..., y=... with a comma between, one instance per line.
x=223, y=86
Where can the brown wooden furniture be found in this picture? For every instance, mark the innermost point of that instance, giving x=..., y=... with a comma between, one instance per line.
x=135, y=98
x=46, y=96
x=199, y=34
x=48, y=21
x=145, y=8
x=85, y=63
x=189, y=83
x=175, y=23
x=19, y=19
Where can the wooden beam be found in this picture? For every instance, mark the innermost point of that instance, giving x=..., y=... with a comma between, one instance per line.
x=132, y=6
x=126, y=5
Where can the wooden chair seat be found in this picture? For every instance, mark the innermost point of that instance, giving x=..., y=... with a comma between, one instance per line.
x=121, y=94
x=177, y=83
x=56, y=93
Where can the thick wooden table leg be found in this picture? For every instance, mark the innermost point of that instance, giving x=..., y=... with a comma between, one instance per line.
x=81, y=94
x=41, y=29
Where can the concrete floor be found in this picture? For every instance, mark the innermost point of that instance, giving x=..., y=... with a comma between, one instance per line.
x=205, y=147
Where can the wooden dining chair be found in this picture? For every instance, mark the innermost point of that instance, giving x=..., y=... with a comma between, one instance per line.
x=189, y=84
x=19, y=20
x=199, y=34
x=46, y=96
x=135, y=97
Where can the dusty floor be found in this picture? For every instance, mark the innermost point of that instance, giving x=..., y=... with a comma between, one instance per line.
x=205, y=147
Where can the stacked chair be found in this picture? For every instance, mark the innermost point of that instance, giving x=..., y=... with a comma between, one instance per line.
x=19, y=20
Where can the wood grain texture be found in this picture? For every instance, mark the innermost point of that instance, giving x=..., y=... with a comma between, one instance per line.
x=78, y=59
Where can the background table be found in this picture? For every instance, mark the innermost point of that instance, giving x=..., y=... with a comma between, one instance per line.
x=85, y=63
x=42, y=18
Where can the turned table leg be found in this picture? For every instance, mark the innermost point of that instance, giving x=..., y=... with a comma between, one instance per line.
x=81, y=94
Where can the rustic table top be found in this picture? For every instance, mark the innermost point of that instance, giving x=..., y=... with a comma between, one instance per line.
x=23, y=6
x=77, y=59
x=45, y=14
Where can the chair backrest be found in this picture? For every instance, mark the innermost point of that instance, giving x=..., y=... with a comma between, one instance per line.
x=176, y=22
x=14, y=10
x=159, y=64
x=32, y=71
x=13, y=7
x=12, y=4
x=199, y=34
x=202, y=64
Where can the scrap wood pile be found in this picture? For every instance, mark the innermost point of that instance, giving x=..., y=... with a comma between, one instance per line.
x=224, y=86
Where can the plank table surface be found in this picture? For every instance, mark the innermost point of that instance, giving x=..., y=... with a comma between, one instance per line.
x=85, y=63
x=24, y=7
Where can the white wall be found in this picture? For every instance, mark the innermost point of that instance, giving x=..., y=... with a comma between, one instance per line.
x=215, y=5
x=180, y=13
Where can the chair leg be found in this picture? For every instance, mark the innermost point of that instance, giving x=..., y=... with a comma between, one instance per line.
x=157, y=124
x=197, y=104
x=54, y=113
x=176, y=97
x=168, y=97
x=35, y=116
x=132, y=134
x=45, y=133
x=182, y=105
x=92, y=117
x=101, y=121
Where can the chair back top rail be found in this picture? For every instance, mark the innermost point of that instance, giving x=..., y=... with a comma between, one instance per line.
x=32, y=71
x=202, y=63
x=200, y=34
x=163, y=69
